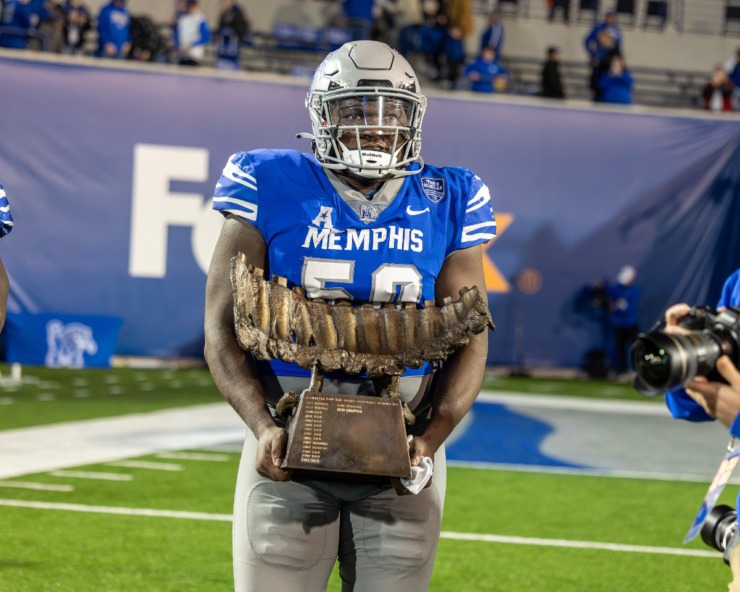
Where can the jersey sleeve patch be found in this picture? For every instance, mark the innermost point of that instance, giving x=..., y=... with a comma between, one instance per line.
x=236, y=191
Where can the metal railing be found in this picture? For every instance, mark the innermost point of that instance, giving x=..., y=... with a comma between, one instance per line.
x=710, y=17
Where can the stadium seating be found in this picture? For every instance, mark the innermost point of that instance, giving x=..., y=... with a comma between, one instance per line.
x=656, y=14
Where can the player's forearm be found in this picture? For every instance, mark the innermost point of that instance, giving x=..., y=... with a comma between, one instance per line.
x=232, y=372
x=457, y=387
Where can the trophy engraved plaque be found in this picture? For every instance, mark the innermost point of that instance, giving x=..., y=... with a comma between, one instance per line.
x=340, y=435
x=351, y=434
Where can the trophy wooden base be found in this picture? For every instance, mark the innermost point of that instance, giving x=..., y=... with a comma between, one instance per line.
x=351, y=437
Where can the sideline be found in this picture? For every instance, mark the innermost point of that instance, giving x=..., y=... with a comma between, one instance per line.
x=458, y=536
x=72, y=444
x=618, y=438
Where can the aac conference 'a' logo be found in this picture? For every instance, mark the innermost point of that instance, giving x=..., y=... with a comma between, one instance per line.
x=68, y=344
x=433, y=188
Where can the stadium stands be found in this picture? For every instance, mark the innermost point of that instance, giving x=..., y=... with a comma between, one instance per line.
x=654, y=33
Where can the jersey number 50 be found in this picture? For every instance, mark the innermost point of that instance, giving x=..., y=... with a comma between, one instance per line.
x=390, y=282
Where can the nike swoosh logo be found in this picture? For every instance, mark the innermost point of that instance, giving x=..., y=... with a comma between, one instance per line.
x=411, y=212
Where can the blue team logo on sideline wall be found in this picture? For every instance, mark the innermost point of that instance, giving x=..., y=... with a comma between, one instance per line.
x=61, y=340
x=68, y=344
x=433, y=188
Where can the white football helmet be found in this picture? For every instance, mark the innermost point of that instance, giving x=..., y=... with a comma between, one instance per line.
x=366, y=111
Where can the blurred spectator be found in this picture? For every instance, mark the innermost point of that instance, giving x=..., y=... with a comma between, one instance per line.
x=602, y=42
x=552, y=84
x=58, y=23
x=562, y=5
x=717, y=93
x=409, y=20
x=454, y=53
x=460, y=16
x=147, y=43
x=493, y=35
x=16, y=25
x=233, y=28
x=624, y=297
x=615, y=85
x=359, y=16
x=384, y=24
x=592, y=301
x=732, y=67
x=192, y=34
x=114, y=30
x=41, y=21
x=486, y=74
x=432, y=37
x=76, y=26
x=603, y=37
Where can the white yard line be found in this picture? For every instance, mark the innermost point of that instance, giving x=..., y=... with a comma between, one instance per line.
x=116, y=510
x=199, y=456
x=36, y=486
x=142, y=464
x=511, y=540
x=459, y=536
x=94, y=475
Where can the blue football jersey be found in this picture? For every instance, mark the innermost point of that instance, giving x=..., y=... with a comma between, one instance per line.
x=336, y=244
x=6, y=218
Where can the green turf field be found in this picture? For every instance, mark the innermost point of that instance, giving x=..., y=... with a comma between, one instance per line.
x=169, y=530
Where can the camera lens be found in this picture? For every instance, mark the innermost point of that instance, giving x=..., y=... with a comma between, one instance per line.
x=657, y=361
x=719, y=528
x=664, y=361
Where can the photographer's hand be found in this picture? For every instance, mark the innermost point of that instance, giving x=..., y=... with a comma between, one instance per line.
x=721, y=401
x=673, y=315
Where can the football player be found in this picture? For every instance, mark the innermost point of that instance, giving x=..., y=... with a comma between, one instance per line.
x=362, y=217
x=6, y=225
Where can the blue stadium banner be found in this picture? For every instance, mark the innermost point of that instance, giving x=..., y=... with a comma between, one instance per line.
x=110, y=172
x=61, y=340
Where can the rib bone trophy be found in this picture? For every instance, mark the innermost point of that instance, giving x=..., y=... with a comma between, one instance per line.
x=274, y=321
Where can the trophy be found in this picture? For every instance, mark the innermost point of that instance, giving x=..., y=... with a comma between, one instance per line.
x=346, y=436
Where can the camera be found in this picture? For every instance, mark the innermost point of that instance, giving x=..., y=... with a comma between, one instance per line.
x=719, y=530
x=663, y=361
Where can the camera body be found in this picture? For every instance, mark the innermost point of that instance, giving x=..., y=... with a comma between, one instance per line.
x=720, y=530
x=664, y=360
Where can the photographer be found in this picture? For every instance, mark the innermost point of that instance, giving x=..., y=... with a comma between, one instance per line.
x=704, y=400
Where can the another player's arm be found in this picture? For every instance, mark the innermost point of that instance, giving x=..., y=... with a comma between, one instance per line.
x=461, y=376
x=230, y=366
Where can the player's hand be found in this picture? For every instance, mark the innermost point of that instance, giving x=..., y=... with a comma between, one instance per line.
x=271, y=452
x=719, y=400
x=419, y=447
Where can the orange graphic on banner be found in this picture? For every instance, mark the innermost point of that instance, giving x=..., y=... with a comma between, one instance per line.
x=495, y=281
